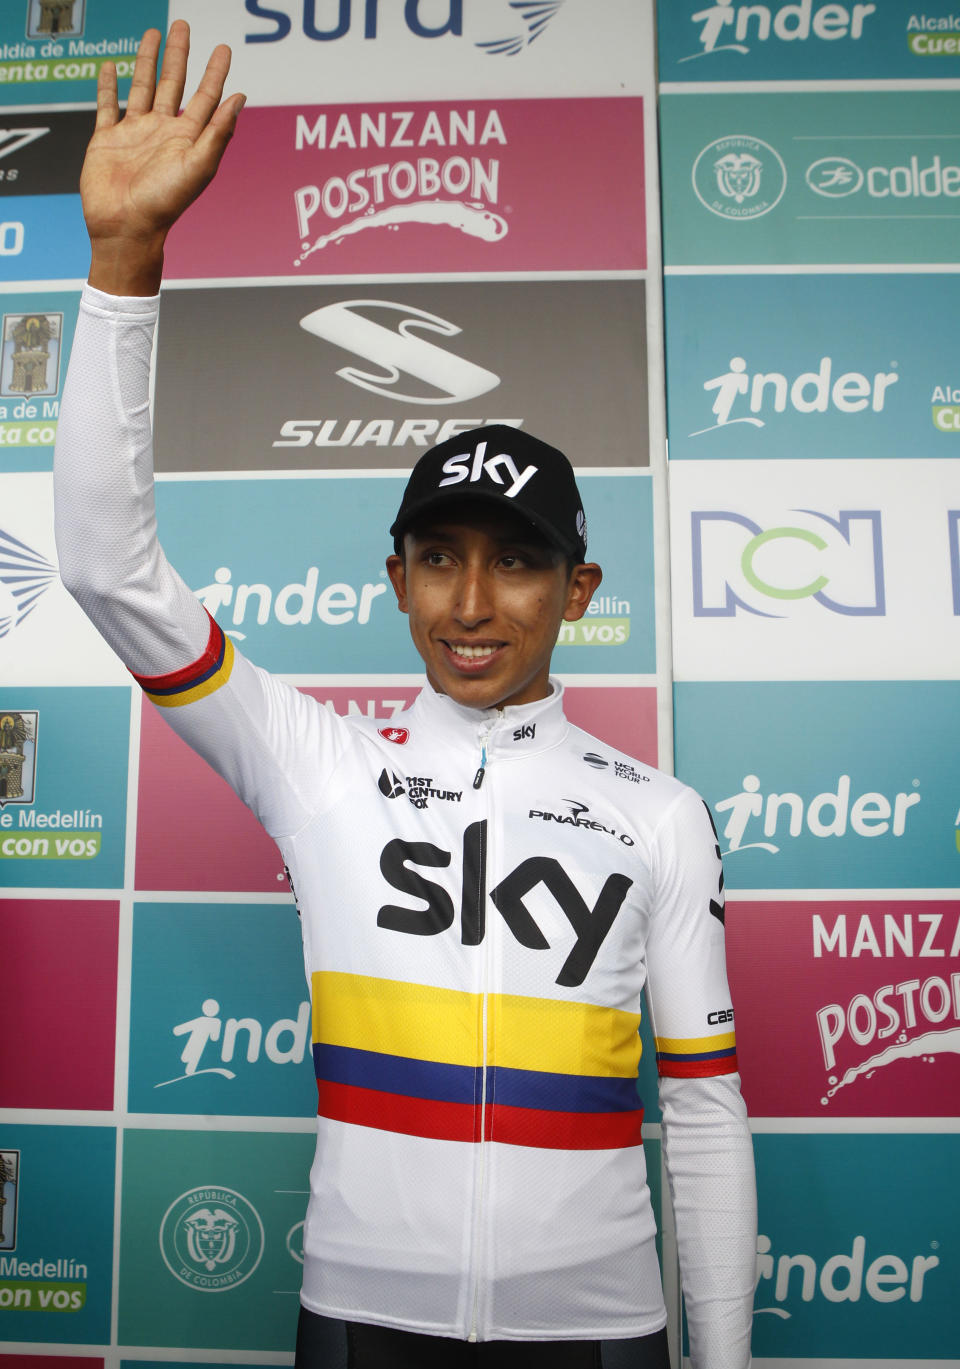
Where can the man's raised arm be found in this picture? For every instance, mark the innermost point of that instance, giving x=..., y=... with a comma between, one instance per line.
x=141, y=171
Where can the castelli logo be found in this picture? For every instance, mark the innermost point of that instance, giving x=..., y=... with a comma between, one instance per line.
x=395, y=734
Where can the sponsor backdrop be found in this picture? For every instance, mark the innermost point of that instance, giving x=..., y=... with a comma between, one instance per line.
x=436, y=214
x=810, y=181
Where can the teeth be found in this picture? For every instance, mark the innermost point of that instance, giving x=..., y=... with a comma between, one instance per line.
x=471, y=652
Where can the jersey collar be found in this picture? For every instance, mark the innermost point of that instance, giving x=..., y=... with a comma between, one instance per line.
x=517, y=730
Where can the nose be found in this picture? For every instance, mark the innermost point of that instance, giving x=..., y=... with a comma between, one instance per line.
x=474, y=605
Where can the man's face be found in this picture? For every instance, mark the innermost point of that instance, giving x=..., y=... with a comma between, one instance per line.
x=486, y=595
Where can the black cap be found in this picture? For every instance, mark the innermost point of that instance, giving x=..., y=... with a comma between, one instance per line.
x=508, y=466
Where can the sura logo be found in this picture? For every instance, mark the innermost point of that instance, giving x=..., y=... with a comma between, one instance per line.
x=839, y=1278
x=837, y=177
x=283, y=1043
x=298, y=603
x=810, y=392
x=515, y=26
x=739, y=177
x=740, y=566
x=829, y=814
x=729, y=27
x=447, y=190
x=24, y=576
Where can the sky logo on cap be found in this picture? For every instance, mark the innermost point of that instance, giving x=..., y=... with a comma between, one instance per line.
x=460, y=468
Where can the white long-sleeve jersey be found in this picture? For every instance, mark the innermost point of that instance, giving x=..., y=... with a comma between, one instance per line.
x=485, y=897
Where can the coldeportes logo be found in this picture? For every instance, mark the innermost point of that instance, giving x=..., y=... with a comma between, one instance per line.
x=915, y=177
x=839, y=1278
x=829, y=814
x=449, y=189
x=515, y=25
x=809, y=392
x=211, y=1239
x=740, y=566
x=739, y=177
x=729, y=27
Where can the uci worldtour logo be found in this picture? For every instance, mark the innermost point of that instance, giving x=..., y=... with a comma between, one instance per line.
x=739, y=177
x=729, y=27
x=211, y=1239
x=515, y=26
x=809, y=392
x=740, y=566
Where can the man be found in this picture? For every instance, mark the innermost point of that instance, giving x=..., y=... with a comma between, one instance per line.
x=477, y=945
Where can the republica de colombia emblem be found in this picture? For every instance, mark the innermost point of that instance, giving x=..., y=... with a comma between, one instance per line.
x=211, y=1238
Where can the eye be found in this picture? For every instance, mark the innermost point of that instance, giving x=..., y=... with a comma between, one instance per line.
x=436, y=558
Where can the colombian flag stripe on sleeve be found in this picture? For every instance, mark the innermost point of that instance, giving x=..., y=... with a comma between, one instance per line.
x=696, y=1057
x=195, y=681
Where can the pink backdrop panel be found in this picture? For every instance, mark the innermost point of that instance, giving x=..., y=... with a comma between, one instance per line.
x=847, y=1009
x=193, y=833
x=58, y=1011
x=552, y=185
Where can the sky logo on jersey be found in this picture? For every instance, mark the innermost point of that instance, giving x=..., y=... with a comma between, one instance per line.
x=855, y=1274
x=800, y=803
x=740, y=566
x=215, y=1035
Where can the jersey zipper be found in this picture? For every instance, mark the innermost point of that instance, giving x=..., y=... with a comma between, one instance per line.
x=484, y=998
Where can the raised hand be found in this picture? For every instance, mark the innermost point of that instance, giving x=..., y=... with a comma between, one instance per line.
x=142, y=170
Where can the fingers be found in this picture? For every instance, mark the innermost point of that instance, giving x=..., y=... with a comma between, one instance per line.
x=173, y=73
x=212, y=143
x=209, y=93
x=108, y=106
x=140, y=99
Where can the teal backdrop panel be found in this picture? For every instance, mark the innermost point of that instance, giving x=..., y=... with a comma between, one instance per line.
x=859, y=1253
x=220, y=1011
x=827, y=785
x=826, y=366
x=242, y=1294
x=815, y=177
x=56, y=1248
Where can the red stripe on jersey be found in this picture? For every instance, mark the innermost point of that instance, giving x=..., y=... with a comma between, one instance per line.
x=563, y=1130
x=188, y=673
x=398, y=1112
x=697, y=1069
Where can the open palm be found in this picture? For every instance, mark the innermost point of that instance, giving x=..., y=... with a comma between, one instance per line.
x=142, y=170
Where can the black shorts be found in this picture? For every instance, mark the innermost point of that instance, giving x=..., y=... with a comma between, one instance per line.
x=325, y=1343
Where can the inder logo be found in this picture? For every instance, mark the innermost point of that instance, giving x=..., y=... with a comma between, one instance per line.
x=739, y=566
x=741, y=28
x=744, y=396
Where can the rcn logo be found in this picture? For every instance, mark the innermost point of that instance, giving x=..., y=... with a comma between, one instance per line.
x=400, y=351
x=738, y=565
x=810, y=392
x=516, y=25
x=728, y=27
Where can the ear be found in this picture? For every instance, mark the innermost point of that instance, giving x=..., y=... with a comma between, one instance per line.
x=584, y=581
x=398, y=578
